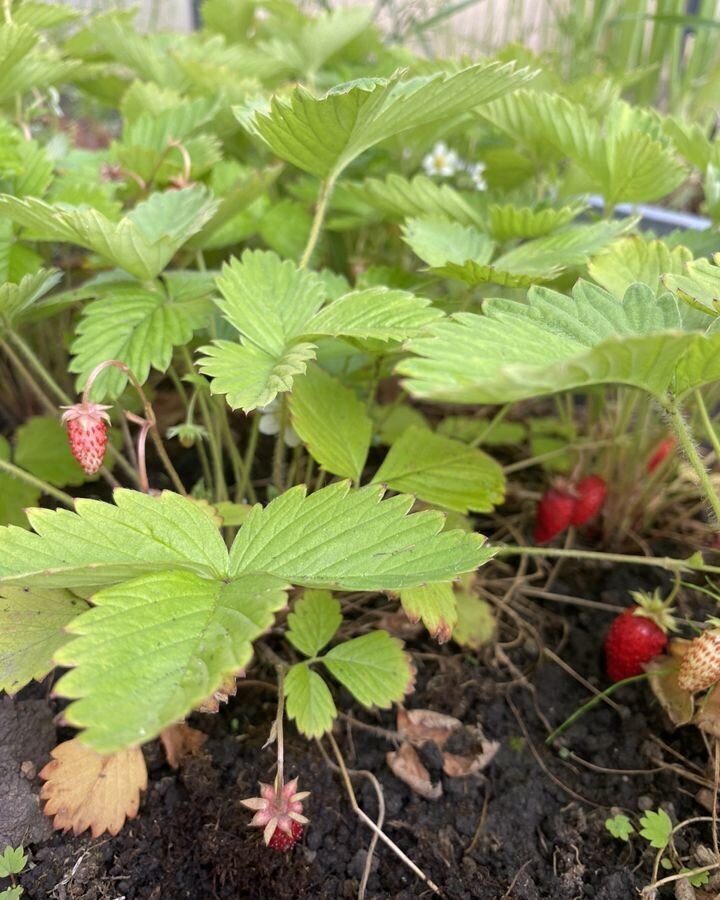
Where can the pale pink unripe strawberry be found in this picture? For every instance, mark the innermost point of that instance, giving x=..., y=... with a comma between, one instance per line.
x=86, y=425
x=279, y=813
x=700, y=667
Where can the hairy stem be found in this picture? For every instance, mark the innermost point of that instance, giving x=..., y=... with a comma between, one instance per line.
x=687, y=442
x=707, y=423
x=321, y=206
x=660, y=562
x=41, y=485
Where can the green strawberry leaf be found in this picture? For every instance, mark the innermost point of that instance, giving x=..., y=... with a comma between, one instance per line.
x=313, y=622
x=309, y=702
x=435, y=605
x=42, y=448
x=374, y=668
x=15, y=495
x=656, y=828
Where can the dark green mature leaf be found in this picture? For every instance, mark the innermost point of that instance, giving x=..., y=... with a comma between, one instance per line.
x=309, y=702
x=32, y=628
x=313, y=622
x=103, y=543
x=323, y=135
x=352, y=540
x=443, y=471
x=554, y=343
x=332, y=423
x=136, y=326
x=374, y=668
x=42, y=448
x=155, y=647
x=15, y=495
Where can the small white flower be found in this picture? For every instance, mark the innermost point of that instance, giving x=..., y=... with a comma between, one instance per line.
x=441, y=161
x=270, y=424
x=476, y=171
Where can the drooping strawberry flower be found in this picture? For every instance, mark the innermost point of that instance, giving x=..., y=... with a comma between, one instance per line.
x=87, y=431
x=279, y=813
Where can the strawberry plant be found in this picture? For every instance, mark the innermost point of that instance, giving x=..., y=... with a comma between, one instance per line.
x=291, y=317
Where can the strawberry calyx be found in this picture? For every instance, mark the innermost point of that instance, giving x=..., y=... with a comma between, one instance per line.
x=654, y=607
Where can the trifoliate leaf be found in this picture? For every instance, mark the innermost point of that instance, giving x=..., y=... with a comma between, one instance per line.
x=102, y=543
x=309, y=702
x=32, y=628
x=86, y=790
x=12, y=861
x=554, y=343
x=632, y=259
x=153, y=648
x=374, y=668
x=332, y=423
x=437, y=242
x=435, y=605
x=656, y=828
x=137, y=327
x=376, y=312
x=620, y=827
x=313, y=622
x=323, y=135
x=442, y=471
x=141, y=243
x=15, y=495
x=42, y=448
x=344, y=539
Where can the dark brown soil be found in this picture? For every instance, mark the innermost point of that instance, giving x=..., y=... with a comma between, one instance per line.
x=530, y=827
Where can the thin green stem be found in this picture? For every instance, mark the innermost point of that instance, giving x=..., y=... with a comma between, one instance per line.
x=324, y=195
x=245, y=488
x=41, y=485
x=279, y=452
x=659, y=562
x=687, y=442
x=220, y=488
x=236, y=459
x=707, y=423
x=28, y=378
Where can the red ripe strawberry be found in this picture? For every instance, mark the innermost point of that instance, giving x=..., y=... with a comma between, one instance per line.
x=554, y=515
x=633, y=639
x=282, y=842
x=87, y=430
x=664, y=449
x=591, y=494
x=700, y=667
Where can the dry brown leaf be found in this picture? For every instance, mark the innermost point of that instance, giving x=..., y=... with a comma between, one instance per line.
x=663, y=680
x=181, y=741
x=461, y=766
x=421, y=725
x=86, y=790
x=400, y=626
x=707, y=717
x=405, y=764
x=228, y=688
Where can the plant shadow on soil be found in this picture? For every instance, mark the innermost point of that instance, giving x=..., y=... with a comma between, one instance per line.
x=519, y=831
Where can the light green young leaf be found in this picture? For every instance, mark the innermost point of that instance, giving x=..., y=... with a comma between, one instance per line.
x=554, y=343
x=620, y=827
x=442, y=471
x=136, y=326
x=313, y=622
x=435, y=605
x=632, y=259
x=331, y=422
x=32, y=628
x=309, y=702
x=437, y=242
x=15, y=299
x=15, y=495
x=323, y=135
x=344, y=539
x=24, y=66
x=507, y=222
x=656, y=828
x=572, y=246
x=12, y=861
x=154, y=648
x=103, y=544
x=473, y=274
x=475, y=622
x=376, y=312
x=400, y=198
x=41, y=16
x=141, y=243
x=697, y=283
x=374, y=668
x=42, y=448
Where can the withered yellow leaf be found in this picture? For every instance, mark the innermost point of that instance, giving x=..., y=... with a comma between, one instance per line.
x=86, y=790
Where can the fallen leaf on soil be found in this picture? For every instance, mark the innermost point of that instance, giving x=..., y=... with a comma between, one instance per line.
x=421, y=725
x=228, y=688
x=663, y=680
x=400, y=626
x=405, y=764
x=86, y=790
x=461, y=766
x=181, y=741
x=707, y=717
